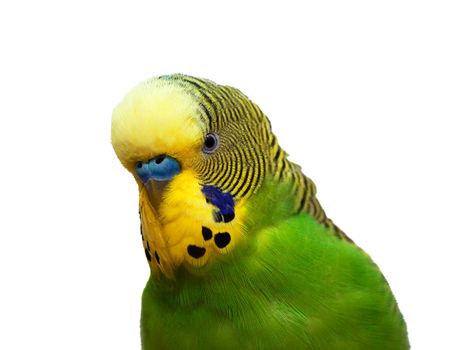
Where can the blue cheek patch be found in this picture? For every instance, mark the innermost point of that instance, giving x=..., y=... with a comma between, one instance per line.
x=222, y=200
x=161, y=168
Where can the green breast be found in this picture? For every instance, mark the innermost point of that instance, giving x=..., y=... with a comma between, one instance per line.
x=291, y=284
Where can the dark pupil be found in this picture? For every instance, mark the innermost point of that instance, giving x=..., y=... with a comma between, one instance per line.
x=210, y=141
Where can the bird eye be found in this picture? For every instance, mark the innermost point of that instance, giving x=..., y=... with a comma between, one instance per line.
x=211, y=143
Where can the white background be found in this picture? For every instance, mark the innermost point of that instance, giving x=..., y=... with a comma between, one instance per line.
x=368, y=96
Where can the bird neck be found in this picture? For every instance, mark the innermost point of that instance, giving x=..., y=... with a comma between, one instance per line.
x=271, y=204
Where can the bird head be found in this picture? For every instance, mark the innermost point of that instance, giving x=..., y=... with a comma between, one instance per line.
x=198, y=151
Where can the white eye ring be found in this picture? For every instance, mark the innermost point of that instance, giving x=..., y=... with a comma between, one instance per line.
x=211, y=143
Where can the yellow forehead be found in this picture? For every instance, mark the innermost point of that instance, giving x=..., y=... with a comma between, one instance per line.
x=155, y=118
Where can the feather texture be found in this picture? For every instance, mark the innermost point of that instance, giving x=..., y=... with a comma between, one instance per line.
x=242, y=254
x=291, y=285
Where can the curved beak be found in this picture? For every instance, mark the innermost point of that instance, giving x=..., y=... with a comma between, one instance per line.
x=155, y=175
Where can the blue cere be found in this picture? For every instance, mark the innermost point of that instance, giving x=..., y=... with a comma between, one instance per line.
x=142, y=170
x=160, y=168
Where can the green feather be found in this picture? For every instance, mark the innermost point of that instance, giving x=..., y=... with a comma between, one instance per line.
x=290, y=284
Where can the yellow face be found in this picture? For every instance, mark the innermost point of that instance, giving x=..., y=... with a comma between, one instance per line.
x=156, y=119
x=179, y=224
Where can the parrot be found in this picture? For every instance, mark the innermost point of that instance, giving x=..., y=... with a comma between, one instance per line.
x=240, y=251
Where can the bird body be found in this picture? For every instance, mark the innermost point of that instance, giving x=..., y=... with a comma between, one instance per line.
x=241, y=253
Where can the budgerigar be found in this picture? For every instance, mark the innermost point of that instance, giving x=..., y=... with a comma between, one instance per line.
x=241, y=253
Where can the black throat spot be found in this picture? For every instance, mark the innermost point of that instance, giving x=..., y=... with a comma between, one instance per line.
x=195, y=251
x=222, y=239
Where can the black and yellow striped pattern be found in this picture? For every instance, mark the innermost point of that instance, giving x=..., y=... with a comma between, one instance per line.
x=249, y=151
